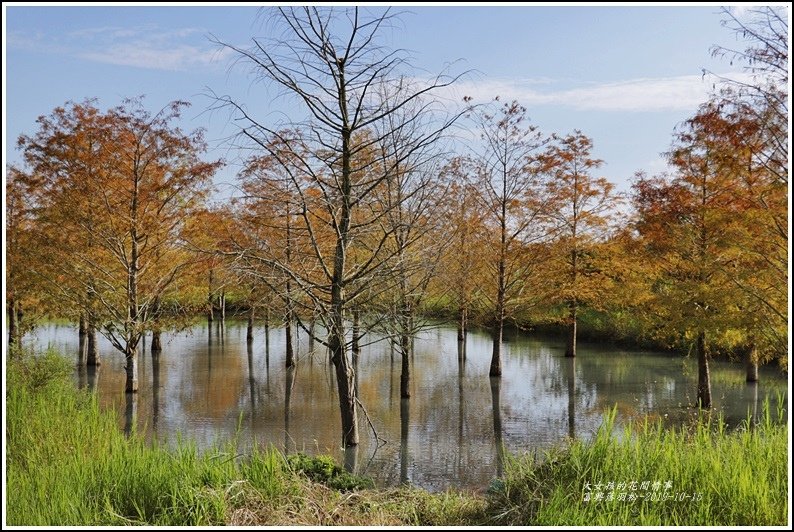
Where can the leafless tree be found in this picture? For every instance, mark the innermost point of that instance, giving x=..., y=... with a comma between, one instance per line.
x=352, y=91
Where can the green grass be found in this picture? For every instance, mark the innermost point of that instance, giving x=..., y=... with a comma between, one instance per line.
x=732, y=478
x=68, y=464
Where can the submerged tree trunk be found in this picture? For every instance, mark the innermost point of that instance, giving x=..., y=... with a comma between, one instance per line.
x=463, y=323
x=405, y=374
x=130, y=413
x=752, y=363
x=92, y=353
x=156, y=344
x=210, y=302
x=570, y=348
x=496, y=357
x=498, y=329
x=289, y=319
x=13, y=326
x=131, y=368
x=249, y=334
x=82, y=349
x=704, y=380
x=345, y=381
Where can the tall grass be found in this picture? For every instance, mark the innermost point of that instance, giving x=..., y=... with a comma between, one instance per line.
x=68, y=463
x=714, y=477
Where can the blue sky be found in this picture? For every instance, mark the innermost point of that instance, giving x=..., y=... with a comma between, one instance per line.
x=625, y=76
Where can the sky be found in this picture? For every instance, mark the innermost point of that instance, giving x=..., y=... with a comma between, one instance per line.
x=624, y=76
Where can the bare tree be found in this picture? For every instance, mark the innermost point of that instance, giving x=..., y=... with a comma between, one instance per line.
x=349, y=87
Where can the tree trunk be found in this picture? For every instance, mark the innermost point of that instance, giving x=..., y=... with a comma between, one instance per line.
x=130, y=413
x=496, y=358
x=249, y=335
x=704, y=381
x=570, y=349
x=12, y=322
x=156, y=343
x=336, y=340
x=289, y=319
x=345, y=381
x=405, y=374
x=92, y=377
x=355, y=347
x=752, y=363
x=463, y=317
x=131, y=369
x=222, y=306
x=312, y=328
x=20, y=314
x=82, y=349
x=92, y=353
x=210, y=302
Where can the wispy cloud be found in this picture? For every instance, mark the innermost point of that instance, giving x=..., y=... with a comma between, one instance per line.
x=149, y=46
x=640, y=94
x=146, y=55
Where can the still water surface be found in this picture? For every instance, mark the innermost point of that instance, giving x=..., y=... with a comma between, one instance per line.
x=208, y=386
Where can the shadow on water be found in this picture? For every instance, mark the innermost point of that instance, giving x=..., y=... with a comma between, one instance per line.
x=405, y=413
x=496, y=401
x=289, y=383
x=569, y=368
x=155, y=389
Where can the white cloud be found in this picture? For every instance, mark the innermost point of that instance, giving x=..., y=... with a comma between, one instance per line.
x=148, y=46
x=640, y=94
x=166, y=57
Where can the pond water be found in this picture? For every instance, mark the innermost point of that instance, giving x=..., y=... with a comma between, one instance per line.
x=209, y=386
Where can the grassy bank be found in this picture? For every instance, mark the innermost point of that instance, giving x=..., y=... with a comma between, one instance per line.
x=68, y=464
